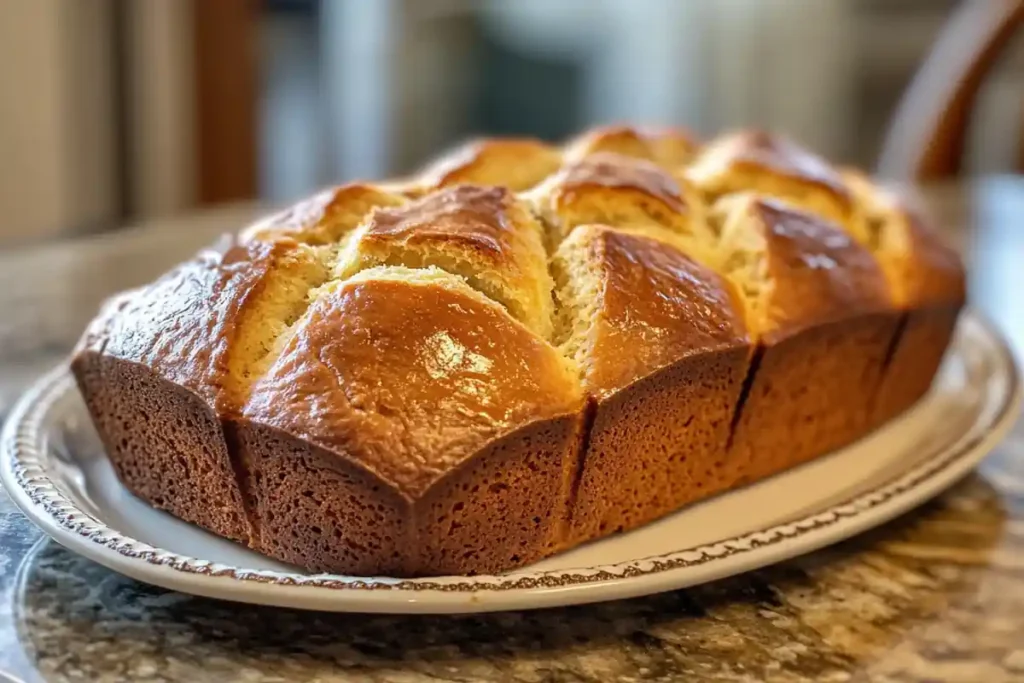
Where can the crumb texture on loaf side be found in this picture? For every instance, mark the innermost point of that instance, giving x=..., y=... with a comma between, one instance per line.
x=315, y=510
x=166, y=443
x=525, y=342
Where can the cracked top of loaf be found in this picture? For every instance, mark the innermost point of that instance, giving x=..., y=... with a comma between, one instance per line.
x=403, y=326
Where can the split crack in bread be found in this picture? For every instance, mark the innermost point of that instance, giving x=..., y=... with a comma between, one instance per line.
x=522, y=348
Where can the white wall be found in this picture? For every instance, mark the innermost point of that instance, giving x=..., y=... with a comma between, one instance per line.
x=709, y=65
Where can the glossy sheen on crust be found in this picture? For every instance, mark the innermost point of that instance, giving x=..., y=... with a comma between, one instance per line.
x=823, y=345
x=928, y=271
x=323, y=218
x=619, y=191
x=669, y=147
x=756, y=160
x=409, y=379
x=928, y=283
x=657, y=307
x=921, y=269
x=821, y=273
x=515, y=163
x=665, y=368
x=933, y=274
x=480, y=233
x=181, y=326
x=478, y=218
x=95, y=336
x=371, y=375
x=612, y=172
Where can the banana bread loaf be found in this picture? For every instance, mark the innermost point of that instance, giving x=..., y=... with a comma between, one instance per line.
x=523, y=348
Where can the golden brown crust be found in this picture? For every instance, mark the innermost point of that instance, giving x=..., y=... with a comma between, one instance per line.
x=922, y=270
x=935, y=294
x=775, y=166
x=609, y=171
x=934, y=274
x=379, y=381
x=515, y=163
x=821, y=272
x=178, y=325
x=810, y=392
x=825, y=326
x=479, y=233
x=517, y=488
x=316, y=510
x=918, y=353
x=760, y=152
x=476, y=218
x=193, y=326
x=817, y=273
x=927, y=282
x=657, y=306
x=324, y=218
x=669, y=147
x=620, y=191
x=672, y=147
x=410, y=379
x=161, y=370
x=664, y=365
x=94, y=338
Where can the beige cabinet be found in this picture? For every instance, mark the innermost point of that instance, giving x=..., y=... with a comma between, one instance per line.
x=97, y=115
x=57, y=133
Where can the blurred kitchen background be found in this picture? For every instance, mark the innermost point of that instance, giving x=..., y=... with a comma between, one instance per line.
x=117, y=111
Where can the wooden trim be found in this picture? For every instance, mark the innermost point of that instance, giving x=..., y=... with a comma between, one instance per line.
x=225, y=40
x=158, y=100
x=1020, y=147
x=927, y=137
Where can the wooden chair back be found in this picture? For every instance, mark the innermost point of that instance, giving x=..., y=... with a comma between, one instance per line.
x=927, y=136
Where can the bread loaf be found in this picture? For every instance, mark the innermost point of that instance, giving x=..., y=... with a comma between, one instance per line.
x=523, y=348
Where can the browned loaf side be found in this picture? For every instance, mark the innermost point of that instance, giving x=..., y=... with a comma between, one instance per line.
x=521, y=349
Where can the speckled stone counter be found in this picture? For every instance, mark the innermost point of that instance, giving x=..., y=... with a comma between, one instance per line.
x=937, y=595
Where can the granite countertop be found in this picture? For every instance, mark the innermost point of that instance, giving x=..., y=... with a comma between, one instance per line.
x=937, y=595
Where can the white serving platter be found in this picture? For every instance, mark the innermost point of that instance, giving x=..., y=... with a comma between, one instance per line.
x=55, y=470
